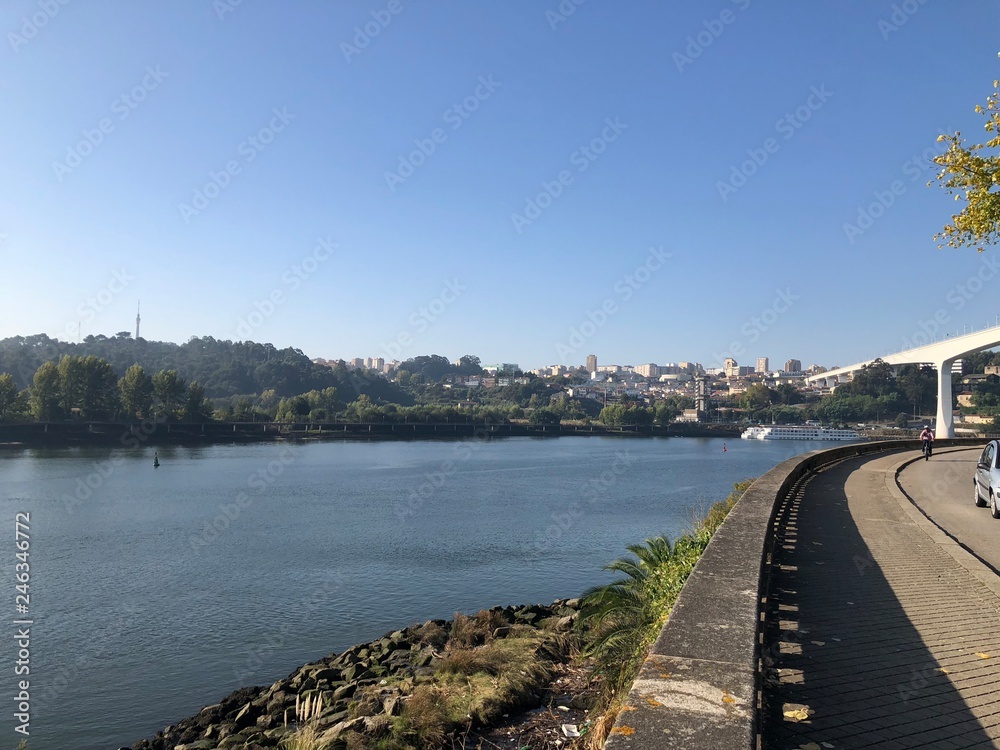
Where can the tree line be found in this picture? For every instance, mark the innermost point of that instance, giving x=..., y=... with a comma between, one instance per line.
x=224, y=369
x=86, y=388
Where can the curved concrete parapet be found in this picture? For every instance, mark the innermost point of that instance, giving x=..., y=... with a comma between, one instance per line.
x=699, y=686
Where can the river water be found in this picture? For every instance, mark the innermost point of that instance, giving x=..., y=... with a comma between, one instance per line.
x=154, y=592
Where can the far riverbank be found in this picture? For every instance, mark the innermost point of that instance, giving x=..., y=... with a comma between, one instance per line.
x=57, y=434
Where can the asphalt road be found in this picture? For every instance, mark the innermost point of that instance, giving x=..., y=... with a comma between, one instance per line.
x=942, y=488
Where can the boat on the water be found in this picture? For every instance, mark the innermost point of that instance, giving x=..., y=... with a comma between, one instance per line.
x=795, y=432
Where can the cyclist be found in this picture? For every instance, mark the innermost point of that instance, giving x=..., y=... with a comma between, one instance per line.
x=927, y=441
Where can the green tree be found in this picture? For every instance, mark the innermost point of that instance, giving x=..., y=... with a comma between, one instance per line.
x=971, y=173
x=243, y=410
x=612, y=415
x=12, y=403
x=875, y=379
x=100, y=390
x=323, y=404
x=469, y=365
x=136, y=389
x=363, y=410
x=71, y=383
x=664, y=413
x=268, y=399
x=918, y=385
x=788, y=394
x=168, y=393
x=545, y=416
x=757, y=396
x=88, y=384
x=46, y=394
x=196, y=408
x=292, y=409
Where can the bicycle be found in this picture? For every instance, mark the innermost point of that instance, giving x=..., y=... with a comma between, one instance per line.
x=926, y=450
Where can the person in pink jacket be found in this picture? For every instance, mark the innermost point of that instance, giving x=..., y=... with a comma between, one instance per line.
x=927, y=441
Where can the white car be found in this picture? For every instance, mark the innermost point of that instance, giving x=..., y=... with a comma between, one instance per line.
x=987, y=478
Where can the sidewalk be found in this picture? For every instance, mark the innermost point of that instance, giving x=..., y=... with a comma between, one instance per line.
x=881, y=632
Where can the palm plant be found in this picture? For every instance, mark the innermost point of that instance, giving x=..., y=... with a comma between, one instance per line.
x=621, y=617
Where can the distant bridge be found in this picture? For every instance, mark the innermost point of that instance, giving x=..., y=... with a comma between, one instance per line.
x=941, y=355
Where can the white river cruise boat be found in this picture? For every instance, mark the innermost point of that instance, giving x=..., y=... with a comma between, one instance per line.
x=779, y=432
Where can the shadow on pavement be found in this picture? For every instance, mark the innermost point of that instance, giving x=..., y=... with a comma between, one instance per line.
x=851, y=623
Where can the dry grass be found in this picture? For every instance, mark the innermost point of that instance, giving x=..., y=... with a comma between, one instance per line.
x=432, y=635
x=426, y=716
x=306, y=738
x=469, y=632
x=601, y=729
x=308, y=708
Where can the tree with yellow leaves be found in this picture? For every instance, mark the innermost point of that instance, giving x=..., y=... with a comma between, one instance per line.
x=969, y=172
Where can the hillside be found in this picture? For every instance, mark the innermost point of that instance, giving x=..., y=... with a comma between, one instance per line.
x=223, y=368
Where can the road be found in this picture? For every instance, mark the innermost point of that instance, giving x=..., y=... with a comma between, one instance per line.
x=942, y=488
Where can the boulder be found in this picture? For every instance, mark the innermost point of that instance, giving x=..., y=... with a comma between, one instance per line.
x=344, y=691
x=338, y=729
x=245, y=716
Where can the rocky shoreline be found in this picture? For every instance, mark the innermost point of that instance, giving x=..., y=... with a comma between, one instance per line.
x=372, y=692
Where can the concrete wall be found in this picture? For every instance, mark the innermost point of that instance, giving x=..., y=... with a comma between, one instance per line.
x=698, y=687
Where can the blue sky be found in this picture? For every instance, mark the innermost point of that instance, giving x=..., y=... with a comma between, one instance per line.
x=524, y=181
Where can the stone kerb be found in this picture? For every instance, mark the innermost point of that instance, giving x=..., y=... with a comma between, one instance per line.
x=698, y=687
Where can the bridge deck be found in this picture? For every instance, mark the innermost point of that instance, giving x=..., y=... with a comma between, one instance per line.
x=880, y=630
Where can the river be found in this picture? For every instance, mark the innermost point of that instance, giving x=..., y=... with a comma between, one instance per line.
x=154, y=592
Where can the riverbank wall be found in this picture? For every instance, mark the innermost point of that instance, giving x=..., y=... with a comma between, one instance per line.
x=118, y=434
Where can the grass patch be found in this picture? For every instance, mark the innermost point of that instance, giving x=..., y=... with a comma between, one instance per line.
x=473, y=685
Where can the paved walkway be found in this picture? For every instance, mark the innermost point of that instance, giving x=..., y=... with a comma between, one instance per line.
x=881, y=632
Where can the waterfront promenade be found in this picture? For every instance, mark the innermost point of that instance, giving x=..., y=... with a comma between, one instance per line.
x=881, y=630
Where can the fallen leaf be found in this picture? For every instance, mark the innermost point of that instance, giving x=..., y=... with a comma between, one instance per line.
x=629, y=708
x=653, y=702
x=942, y=669
x=982, y=655
x=818, y=643
x=798, y=714
x=810, y=746
x=727, y=698
x=623, y=730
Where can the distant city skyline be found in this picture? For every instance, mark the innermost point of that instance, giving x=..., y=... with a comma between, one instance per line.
x=598, y=363
x=749, y=361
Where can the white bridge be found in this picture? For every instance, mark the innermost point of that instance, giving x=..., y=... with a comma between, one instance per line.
x=940, y=355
